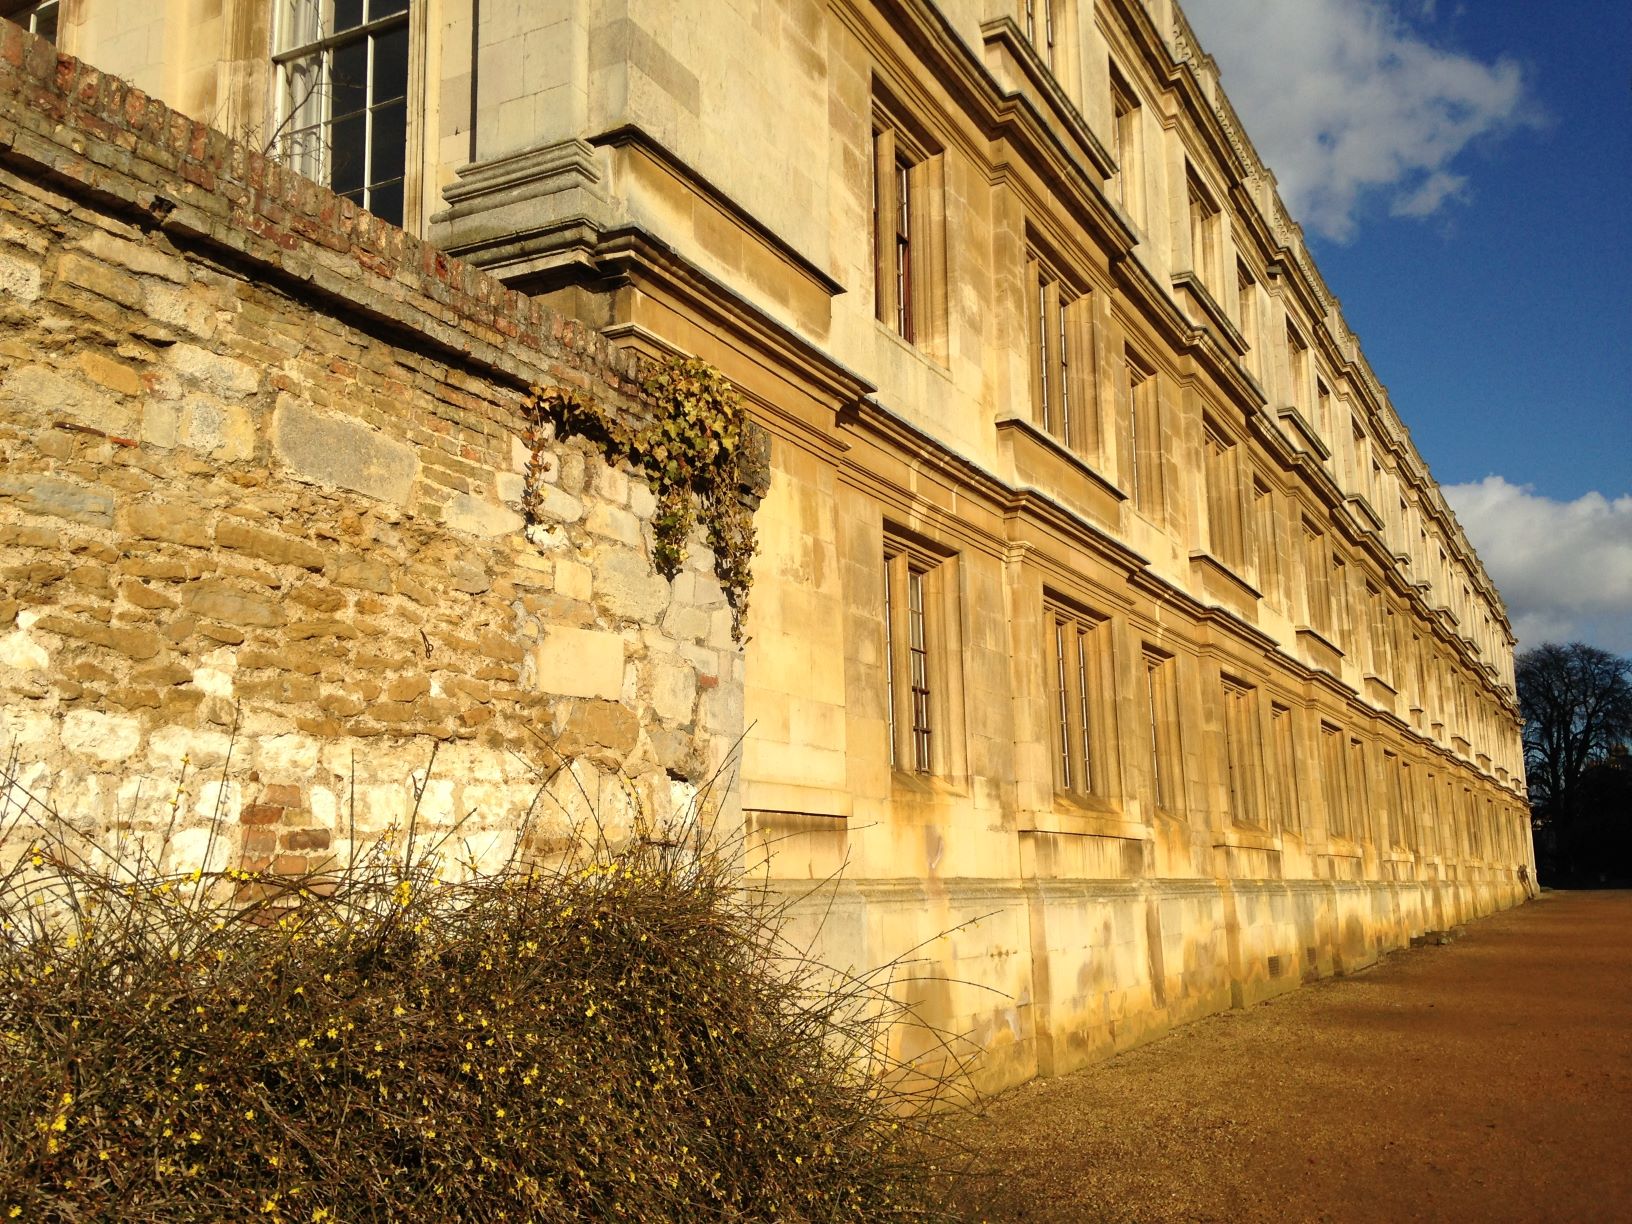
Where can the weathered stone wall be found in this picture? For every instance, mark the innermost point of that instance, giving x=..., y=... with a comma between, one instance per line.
x=260, y=483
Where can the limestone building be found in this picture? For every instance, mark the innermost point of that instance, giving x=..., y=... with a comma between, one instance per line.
x=1105, y=618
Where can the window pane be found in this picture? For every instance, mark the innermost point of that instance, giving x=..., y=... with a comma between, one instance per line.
x=889, y=654
x=1062, y=705
x=44, y=20
x=346, y=154
x=350, y=81
x=1084, y=696
x=917, y=643
x=388, y=146
x=390, y=64
x=347, y=14
x=384, y=8
x=385, y=201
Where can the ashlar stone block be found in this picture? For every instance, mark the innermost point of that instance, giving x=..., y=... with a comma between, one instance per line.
x=37, y=388
x=626, y=586
x=465, y=512
x=48, y=495
x=579, y=663
x=343, y=453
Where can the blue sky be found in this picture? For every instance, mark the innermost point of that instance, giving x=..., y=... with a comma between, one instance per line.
x=1463, y=174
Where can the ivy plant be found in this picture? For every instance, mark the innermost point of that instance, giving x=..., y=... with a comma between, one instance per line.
x=692, y=452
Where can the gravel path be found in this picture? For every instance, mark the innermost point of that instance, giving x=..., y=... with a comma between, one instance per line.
x=1487, y=1079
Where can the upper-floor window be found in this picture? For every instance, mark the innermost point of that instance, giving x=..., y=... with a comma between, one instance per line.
x=907, y=262
x=39, y=17
x=1297, y=363
x=1266, y=541
x=1061, y=392
x=1126, y=145
x=1316, y=581
x=1204, y=227
x=1226, y=536
x=342, y=84
x=1039, y=16
x=1246, y=302
x=1144, y=438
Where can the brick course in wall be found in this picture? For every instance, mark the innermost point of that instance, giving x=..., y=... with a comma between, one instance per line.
x=260, y=483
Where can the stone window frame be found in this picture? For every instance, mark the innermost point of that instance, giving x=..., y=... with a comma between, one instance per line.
x=1357, y=781
x=1246, y=315
x=1059, y=346
x=1077, y=660
x=1228, y=524
x=908, y=227
x=1243, y=752
x=1206, y=221
x=1299, y=370
x=1264, y=553
x=1281, y=761
x=305, y=46
x=1397, y=784
x=1127, y=146
x=1380, y=634
x=1146, y=479
x=922, y=656
x=1335, y=793
x=1040, y=15
x=1317, y=588
x=1166, y=762
x=1342, y=601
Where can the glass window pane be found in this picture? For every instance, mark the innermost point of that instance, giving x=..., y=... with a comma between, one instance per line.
x=388, y=147
x=390, y=64
x=346, y=155
x=298, y=23
x=350, y=83
x=45, y=21
x=385, y=201
x=384, y=8
x=347, y=14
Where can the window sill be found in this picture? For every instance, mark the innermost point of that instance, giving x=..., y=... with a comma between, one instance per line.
x=1240, y=837
x=914, y=347
x=1220, y=581
x=1083, y=816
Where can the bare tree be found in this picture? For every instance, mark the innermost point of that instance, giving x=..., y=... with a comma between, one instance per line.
x=1577, y=706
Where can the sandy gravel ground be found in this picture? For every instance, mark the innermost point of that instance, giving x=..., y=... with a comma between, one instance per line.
x=1487, y=1079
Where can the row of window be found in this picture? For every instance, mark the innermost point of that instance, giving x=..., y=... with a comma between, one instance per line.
x=1060, y=329
x=1258, y=758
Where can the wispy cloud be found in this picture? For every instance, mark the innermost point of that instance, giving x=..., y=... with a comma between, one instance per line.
x=1347, y=101
x=1564, y=568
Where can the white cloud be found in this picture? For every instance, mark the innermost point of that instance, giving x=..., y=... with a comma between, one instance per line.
x=1563, y=568
x=1345, y=101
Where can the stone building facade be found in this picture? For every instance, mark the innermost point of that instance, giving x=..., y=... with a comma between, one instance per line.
x=1112, y=650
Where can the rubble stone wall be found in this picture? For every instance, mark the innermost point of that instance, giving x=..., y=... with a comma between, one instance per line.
x=260, y=484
